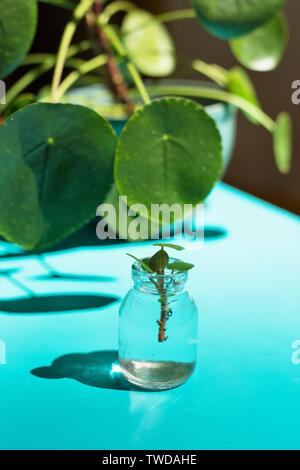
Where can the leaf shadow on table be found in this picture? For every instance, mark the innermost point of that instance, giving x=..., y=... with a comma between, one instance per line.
x=214, y=233
x=86, y=237
x=56, y=304
x=63, y=303
x=83, y=238
x=56, y=276
x=98, y=369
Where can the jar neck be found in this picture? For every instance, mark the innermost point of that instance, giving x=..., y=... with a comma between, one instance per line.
x=171, y=283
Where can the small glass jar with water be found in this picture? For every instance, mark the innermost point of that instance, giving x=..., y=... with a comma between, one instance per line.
x=158, y=330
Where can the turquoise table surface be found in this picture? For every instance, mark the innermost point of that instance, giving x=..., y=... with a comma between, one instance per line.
x=59, y=382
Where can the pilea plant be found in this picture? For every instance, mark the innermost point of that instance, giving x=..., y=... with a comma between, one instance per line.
x=155, y=268
x=59, y=161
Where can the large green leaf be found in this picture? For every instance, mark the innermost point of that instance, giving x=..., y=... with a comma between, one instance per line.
x=169, y=152
x=18, y=19
x=21, y=220
x=149, y=44
x=228, y=19
x=70, y=150
x=283, y=142
x=263, y=48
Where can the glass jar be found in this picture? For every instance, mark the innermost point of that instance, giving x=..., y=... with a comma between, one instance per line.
x=158, y=330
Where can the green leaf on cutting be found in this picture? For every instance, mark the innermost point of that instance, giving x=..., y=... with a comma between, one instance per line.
x=283, y=142
x=159, y=261
x=141, y=262
x=180, y=266
x=262, y=49
x=170, y=245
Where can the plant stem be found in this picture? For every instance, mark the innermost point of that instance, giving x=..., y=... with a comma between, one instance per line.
x=164, y=312
x=34, y=59
x=27, y=80
x=219, y=95
x=137, y=79
x=121, y=51
x=66, y=40
x=176, y=15
x=114, y=8
x=47, y=62
x=85, y=68
x=118, y=81
x=212, y=71
x=37, y=59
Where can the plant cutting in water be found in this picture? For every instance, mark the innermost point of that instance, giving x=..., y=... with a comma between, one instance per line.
x=60, y=159
x=158, y=323
x=156, y=268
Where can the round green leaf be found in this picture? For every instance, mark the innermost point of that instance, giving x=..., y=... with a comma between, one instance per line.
x=263, y=48
x=229, y=19
x=149, y=45
x=18, y=19
x=240, y=84
x=283, y=142
x=21, y=220
x=169, y=152
x=159, y=261
x=180, y=266
x=70, y=150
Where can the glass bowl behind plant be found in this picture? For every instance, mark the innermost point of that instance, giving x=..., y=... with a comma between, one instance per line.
x=158, y=326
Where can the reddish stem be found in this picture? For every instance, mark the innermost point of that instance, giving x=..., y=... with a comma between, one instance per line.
x=164, y=312
x=117, y=79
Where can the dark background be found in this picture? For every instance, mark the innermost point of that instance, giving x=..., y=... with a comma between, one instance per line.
x=252, y=167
